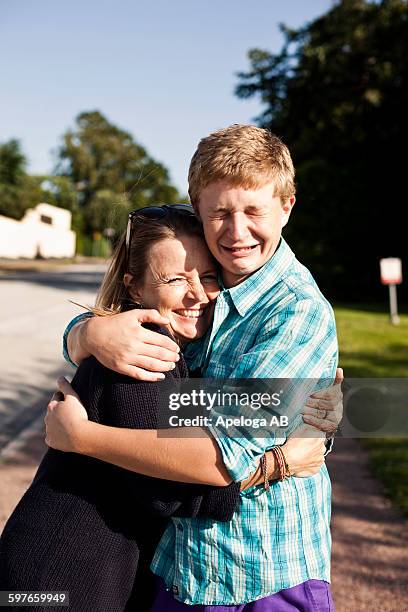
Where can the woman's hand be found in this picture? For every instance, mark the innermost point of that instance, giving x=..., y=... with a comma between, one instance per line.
x=65, y=419
x=304, y=452
x=324, y=409
x=304, y=456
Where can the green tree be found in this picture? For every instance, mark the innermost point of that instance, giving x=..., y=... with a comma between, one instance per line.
x=12, y=163
x=18, y=190
x=61, y=192
x=112, y=173
x=337, y=95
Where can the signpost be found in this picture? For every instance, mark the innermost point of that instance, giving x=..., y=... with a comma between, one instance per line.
x=391, y=275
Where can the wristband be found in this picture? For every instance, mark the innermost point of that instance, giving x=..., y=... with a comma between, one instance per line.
x=283, y=466
x=284, y=470
x=288, y=473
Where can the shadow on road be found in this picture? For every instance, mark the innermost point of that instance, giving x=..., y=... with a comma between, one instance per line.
x=22, y=402
x=66, y=280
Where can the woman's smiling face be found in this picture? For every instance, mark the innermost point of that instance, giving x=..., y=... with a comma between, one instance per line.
x=181, y=283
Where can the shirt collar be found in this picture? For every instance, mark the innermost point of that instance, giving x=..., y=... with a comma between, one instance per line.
x=246, y=294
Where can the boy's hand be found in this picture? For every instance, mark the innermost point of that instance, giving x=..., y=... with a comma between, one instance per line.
x=324, y=409
x=65, y=419
x=121, y=344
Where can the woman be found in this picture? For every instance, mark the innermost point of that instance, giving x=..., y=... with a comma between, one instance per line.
x=83, y=525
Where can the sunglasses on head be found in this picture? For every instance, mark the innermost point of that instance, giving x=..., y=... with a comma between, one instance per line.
x=153, y=212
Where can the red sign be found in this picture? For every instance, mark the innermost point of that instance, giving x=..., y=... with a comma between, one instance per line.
x=391, y=271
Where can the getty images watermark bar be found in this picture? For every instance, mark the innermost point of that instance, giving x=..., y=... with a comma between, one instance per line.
x=373, y=407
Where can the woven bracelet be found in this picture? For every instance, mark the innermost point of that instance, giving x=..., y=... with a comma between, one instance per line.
x=264, y=470
x=281, y=462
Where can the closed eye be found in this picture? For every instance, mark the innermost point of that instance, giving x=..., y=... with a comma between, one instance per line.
x=253, y=211
x=216, y=216
x=218, y=213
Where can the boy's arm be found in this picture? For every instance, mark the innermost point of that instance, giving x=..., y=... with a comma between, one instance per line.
x=304, y=346
x=73, y=347
x=121, y=344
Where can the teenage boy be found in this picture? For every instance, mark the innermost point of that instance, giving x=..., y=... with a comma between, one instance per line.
x=270, y=321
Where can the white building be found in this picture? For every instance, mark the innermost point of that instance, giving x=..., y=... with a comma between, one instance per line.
x=44, y=230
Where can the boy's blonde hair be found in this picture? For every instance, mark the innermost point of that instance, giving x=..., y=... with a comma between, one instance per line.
x=246, y=156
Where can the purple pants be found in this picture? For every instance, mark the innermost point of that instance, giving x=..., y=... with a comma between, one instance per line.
x=310, y=596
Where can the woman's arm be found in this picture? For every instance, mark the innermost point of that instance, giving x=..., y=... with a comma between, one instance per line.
x=122, y=402
x=192, y=457
x=187, y=458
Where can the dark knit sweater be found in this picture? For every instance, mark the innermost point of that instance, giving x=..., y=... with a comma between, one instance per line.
x=84, y=526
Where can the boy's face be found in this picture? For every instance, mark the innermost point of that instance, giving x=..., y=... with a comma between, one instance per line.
x=242, y=226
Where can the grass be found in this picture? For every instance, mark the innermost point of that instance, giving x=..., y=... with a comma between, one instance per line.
x=371, y=347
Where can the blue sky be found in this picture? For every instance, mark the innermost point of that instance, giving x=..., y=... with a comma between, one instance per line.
x=165, y=70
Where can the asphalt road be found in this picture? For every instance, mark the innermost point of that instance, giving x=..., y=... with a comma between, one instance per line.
x=34, y=309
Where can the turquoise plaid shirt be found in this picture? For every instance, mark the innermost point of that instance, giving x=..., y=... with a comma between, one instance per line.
x=276, y=324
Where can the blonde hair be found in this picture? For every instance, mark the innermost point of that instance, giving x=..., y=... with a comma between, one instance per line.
x=246, y=156
x=114, y=296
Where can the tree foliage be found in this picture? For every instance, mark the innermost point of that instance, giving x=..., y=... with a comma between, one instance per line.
x=12, y=163
x=112, y=174
x=101, y=174
x=18, y=190
x=337, y=95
